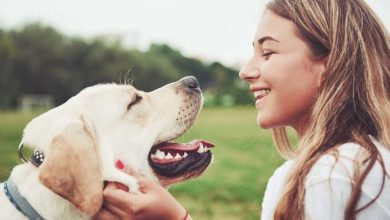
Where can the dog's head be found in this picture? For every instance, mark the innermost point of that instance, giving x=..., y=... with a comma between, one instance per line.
x=136, y=127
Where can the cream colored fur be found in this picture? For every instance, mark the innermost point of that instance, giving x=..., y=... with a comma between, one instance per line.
x=84, y=137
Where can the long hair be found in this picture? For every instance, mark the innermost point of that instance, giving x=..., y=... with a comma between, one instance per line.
x=353, y=99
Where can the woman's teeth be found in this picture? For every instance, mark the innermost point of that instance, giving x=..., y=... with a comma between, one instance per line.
x=261, y=93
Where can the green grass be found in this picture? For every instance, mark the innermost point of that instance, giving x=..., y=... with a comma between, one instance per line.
x=11, y=128
x=233, y=186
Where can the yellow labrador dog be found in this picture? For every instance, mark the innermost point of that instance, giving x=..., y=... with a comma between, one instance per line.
x=76, y=146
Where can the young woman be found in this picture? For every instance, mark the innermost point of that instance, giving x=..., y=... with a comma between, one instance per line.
x=321, y=67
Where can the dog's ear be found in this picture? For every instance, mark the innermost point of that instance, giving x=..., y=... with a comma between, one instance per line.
x=72, y=167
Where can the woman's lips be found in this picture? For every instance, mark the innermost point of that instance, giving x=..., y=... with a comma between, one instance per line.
x=260, y=95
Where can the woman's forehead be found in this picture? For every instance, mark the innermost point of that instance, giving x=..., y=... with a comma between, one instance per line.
x=274, y=28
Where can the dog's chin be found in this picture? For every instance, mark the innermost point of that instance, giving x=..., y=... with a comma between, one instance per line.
x=176, y=162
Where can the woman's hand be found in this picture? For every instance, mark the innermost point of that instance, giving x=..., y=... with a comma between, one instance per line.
x=153, y=202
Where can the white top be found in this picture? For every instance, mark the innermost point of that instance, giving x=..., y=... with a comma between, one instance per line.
x=328, y=187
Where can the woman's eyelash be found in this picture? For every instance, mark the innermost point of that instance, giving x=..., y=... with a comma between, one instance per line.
x=266, y=53
x=137, y=99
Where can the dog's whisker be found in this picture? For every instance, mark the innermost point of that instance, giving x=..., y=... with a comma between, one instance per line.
x=128, y=78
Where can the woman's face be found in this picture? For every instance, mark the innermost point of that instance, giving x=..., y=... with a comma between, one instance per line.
x=282, y=75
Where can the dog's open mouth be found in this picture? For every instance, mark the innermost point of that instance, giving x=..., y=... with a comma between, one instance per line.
x=177, y=159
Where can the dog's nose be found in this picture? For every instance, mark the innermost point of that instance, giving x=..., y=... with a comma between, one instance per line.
x=190, y=82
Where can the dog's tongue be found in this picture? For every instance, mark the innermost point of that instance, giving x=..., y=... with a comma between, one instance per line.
x=190, y=146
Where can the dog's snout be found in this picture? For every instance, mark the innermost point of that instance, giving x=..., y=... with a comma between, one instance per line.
x=190, y=82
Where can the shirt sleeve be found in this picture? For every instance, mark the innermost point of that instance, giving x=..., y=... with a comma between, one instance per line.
x=328, y=186
x=327, y=199
x=329, y=183
x=273, y=190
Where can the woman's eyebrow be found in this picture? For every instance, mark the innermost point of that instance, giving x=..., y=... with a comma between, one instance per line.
x=261, y=40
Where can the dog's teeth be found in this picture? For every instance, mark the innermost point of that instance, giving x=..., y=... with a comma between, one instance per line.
x=177, y=156
x=185, y=154
x=159, y=154
x=169, y=156
x=201, y=148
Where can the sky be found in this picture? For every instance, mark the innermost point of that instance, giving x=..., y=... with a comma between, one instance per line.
x=212, y=30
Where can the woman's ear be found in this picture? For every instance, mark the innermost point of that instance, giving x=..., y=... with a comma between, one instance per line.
x=320, y=67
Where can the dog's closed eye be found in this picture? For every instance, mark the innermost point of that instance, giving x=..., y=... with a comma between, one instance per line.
x=136, y=99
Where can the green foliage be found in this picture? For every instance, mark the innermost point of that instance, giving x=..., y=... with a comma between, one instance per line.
x=231, y=188
x=37, y=59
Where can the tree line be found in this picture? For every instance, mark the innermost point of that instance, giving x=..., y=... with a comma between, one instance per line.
x=37, y=59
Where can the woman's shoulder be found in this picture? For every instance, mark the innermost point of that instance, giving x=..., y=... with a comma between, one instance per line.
x=339, y=162
x=342, y=162
x=329, y=183
x=282, y=170
x=276, y=181
x=279, y=176
x=274, y=188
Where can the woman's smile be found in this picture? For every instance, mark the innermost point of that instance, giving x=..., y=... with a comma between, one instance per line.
x=260, y=96
x=281, y=74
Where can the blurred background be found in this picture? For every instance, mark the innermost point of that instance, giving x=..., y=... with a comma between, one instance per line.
x=50, y=50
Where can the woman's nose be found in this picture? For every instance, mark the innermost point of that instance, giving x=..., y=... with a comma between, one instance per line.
x=249, y=71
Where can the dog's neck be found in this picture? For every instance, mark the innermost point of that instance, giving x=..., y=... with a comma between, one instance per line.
x=12, y=192
x=48, y=204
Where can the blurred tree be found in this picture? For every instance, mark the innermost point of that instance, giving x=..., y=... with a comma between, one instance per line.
x=186, y=66
x=9, y=85
x=36, y=59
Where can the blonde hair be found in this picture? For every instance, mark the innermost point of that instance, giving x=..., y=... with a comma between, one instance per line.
x=353, y=99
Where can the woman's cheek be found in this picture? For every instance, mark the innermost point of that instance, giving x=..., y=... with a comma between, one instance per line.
x=266, y=70
x=263, y=69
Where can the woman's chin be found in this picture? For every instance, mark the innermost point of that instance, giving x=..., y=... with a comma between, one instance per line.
x=261, y=122
x=266, y=122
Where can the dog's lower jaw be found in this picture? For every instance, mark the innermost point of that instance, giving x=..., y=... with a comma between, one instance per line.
x=48, y=204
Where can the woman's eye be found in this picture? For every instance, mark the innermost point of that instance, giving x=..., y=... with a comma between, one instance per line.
x=136, y=99
x=266, y=53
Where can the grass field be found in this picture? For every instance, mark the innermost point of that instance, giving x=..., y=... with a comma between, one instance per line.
x=232, y=188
